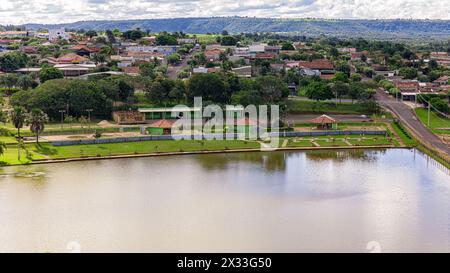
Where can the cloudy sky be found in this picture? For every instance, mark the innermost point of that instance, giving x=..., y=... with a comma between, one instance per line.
x=63, y=11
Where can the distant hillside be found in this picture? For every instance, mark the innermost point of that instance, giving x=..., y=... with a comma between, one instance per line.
x=381, y=29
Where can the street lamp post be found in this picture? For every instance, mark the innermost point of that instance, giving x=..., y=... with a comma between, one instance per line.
x=62, y=118
x=89, y=117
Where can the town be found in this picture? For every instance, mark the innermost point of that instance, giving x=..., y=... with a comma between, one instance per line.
x=78, y=87
x=215, y=134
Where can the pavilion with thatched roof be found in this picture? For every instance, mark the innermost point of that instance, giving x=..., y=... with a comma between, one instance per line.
x=324, y=122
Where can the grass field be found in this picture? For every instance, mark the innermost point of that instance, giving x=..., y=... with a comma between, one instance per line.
x=339, y=141
x=48, y=151
x=300, y=106
x=407, y=139
x=437, y=123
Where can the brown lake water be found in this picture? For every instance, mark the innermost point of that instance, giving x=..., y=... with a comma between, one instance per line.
x=316, y=201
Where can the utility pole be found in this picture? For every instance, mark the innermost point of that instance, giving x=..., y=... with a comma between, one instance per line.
x=89, y=117
x=429, y=110
x=62, y=118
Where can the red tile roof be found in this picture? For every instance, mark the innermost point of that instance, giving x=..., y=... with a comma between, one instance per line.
x=163, y=124
x=322, y=64
x=324, y=119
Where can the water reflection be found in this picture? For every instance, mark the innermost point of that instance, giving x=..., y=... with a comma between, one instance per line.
x=344, y=155
x=318, y=201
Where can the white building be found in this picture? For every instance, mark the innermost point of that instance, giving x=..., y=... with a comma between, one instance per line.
x=55, y=34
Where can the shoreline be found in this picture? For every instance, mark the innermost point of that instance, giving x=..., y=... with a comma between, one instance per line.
x=166, y=154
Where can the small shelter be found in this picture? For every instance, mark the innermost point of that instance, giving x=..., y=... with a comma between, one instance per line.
x=324, y=122
x=161, y=127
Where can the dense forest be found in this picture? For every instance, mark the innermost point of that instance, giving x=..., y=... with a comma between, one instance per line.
x=378, y=29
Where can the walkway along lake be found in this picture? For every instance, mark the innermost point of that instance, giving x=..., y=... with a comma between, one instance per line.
x=296, y=201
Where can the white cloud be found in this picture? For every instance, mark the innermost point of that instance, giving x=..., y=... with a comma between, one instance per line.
x=63, y=11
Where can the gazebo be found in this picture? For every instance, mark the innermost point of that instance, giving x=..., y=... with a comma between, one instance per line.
x=161, y=127
x=324, y=122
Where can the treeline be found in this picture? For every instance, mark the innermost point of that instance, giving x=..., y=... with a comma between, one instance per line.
x=75, y=96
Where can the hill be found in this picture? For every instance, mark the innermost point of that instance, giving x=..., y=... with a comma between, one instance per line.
x=381, y=29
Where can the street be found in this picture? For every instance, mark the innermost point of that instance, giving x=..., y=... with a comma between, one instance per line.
x=408, y=117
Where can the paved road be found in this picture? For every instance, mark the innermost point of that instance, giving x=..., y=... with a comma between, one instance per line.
x=407, y=115
x=174, y=71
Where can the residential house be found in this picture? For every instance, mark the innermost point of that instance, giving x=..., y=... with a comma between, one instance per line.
x=14, y=34
x=84, y=50
x=165, y=50
x=29, y=49
x=212, y=55
x=204, y=70
x=59, y=33
x=444, y=80
x=244, y=71
x=69, y=58
x=408, y=88
x=272, y=49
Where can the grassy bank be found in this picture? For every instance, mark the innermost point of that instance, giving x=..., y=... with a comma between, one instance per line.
x=46, y=151
x=438, y=124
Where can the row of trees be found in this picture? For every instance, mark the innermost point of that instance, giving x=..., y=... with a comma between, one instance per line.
x=75, y=96
x=218, y=88
x=20, y=117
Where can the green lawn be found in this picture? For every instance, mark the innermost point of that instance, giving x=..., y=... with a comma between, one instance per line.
x=407, y=139
x=47, y=150
x=10, y=157
x=300, y=106
x=338, y=141
x=436, y=121
x=144, y=147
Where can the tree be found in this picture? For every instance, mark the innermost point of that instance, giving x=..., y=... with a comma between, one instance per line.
x=440, y=105
x=356, y=77
x=90, y=34
x=174, y=59
x=9, y=81
x=287, y=46
x=135, y=34
x=166, y=39
x=83, y=121
x=340, y=77
x=228, y=41
x=408, y=72
x=37, y=120
x=50, y=73
x=340, y=89
x=18, y=117
x=12, y=61
x=210, y=87
x=125, y=90
x=110, y=36
x=272, y=89
x=3, y=147
x=318, y=91
x=69, y=119
x=26, y=82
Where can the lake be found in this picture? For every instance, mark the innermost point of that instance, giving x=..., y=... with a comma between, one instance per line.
x=394, y=200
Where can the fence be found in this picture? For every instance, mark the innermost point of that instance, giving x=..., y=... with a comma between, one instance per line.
x=209, y=137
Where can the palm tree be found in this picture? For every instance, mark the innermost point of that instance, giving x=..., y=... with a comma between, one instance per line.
x=37, y=120
x=18, y=117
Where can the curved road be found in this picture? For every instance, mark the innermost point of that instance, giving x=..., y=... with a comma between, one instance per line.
x=407, y=116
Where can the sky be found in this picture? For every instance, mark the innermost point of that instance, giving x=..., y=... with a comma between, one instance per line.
x=65, y=11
